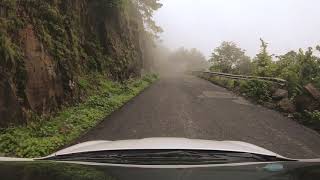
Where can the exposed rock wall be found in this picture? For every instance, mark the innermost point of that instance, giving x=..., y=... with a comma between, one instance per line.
x=44, y=89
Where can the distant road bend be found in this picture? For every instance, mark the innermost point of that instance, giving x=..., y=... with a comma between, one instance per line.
x=187, y=106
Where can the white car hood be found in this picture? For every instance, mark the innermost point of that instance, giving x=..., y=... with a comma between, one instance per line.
x=165, y=144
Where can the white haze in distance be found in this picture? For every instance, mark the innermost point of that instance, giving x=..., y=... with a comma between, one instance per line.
x=285, y=24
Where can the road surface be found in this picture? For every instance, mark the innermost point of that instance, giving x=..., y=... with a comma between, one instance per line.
x=190, y=107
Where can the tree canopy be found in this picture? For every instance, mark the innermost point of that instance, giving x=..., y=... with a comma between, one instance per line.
x=263, y=60
x=229, y=58
x=146, y=9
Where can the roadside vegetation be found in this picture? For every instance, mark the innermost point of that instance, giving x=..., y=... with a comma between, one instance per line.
x=44, y=135
x=65, y=65
x=300, y=98
x=46, y=45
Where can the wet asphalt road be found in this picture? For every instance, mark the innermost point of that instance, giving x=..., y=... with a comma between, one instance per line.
x=186, y=106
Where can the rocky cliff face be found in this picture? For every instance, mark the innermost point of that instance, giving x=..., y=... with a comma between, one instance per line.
x=45, y=46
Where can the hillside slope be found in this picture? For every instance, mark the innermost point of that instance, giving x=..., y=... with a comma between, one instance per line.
x=47, y=46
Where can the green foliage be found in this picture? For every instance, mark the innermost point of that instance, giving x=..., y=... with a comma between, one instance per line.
x=83, y=83
x=224, y=82
x=44, y=136
x=263, y=64
x=309, y=66
x=146, y=9
x=8, y=3
x=111, y=3
x=77, y=50
x=311, y=119
x=258, y=90
x=57, y=30
x=298, y=68
x=7, y=52
x=287, y=69
x=229, y=58
x=80, y=47
x=11, y=61
x=104, y=7
x=76, y=46
x=8, y=7
x=314, y=116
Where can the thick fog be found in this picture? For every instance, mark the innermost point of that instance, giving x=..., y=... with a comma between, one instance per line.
x=204, y=24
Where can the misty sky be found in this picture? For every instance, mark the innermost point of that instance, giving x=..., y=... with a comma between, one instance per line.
x=204, y=24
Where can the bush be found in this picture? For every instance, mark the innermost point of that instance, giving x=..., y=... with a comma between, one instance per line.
x=83, y=83
x=258, y=90
x=314, y=117
x=311, y=119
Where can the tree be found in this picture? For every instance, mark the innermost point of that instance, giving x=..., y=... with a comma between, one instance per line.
x=197, y=61
x=288, y=69
x=244, y=67
x=299, y=69
x=146, y=9
x=229, y=58
x=188, y=60
x=263, y=61
x=309, y=66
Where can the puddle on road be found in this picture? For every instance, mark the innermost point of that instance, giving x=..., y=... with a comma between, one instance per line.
x=224, y=95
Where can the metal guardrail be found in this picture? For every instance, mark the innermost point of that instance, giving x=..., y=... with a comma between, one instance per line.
x=278, y=81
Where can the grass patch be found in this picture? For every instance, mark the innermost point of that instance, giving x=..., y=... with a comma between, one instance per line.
x=44, y=136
